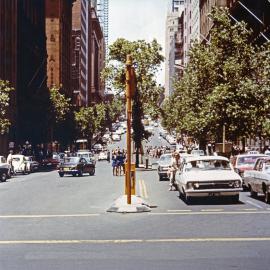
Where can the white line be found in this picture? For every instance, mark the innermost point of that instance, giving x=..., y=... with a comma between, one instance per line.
x=179, y=210
x=131, y=241
x=254, y=204
x=145, y=190
x=210, y=213
x=47, y=216
x=212, y=210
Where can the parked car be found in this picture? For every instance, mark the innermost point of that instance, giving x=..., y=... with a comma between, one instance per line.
x=102, y=155
x=5, y=169
x=50, y=163
x=208, y=176
x=32, y=164
x=87, y=154
x=245, y=162
x=164, y=164
x=19, y=164
x=76, y=166
x=258, y=179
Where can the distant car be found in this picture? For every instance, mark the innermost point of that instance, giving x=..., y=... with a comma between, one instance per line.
x=102, y=156
x=164, y=164
x=50, y=163
x=97, y=147
x=76, y=166
x=19, y=164
x=258, y=179
x=208, y=176
x=116, y=137
x=87, y=154
x=197, y=152
x=5, y=169
x=32, y=164
x=245, y=162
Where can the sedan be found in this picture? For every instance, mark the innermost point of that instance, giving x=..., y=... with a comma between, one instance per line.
x=208, y=176
x=76, y=166
x=164, y=164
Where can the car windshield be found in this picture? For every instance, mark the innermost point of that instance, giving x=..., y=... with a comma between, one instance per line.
x=71, y=160
x=248, y=160
x=166, y=158
x=206, y=165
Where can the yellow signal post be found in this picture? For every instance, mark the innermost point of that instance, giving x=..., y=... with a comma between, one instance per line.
x=130, y=90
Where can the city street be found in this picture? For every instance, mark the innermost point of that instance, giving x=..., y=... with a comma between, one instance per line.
x=50, y=222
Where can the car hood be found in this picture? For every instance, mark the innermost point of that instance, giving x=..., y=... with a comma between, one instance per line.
x=214, y=175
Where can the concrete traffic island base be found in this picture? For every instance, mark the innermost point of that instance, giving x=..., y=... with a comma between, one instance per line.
x=138, y=205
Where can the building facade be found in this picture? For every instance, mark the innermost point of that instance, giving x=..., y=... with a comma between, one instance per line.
x=58, y=32
x=173, y=44
x=191, y=25
x=23, y=63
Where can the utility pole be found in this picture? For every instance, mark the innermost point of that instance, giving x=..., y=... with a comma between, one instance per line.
x=130, y=89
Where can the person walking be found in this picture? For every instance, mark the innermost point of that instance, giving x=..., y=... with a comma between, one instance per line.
x=173, y=168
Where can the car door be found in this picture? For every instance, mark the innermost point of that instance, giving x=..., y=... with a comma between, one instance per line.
x=84, y=166
x=257, y=182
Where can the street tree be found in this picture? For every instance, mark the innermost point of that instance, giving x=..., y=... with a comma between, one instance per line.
x=147, y=58
x=5, y=90
x=90, y=121
x=222, y=85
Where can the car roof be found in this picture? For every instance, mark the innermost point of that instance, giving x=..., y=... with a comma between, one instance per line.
x=195, y=158
x=252, y=155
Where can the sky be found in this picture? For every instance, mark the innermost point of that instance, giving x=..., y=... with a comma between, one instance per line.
x=139, y=19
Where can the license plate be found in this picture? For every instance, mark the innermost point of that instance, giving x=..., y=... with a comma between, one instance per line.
x=213, y=194
x=66, y=169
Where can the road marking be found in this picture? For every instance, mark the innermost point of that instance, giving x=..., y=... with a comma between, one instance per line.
x=210, y=213
x=212, y=210
x=48, y=216
x=254, y=204
x=179, y=210
x=145, y=190
x=132, y=241
x=249, y=209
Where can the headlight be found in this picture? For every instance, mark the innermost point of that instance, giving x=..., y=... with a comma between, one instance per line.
x=189, y=185
x=237, y=183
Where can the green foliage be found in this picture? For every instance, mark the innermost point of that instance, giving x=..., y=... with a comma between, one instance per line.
x=5, y=90
x=147, y=59
x=90, y=120
x=225, y=83
x=114, y=109
x=61, y=104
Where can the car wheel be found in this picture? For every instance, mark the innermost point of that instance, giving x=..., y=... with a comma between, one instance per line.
x=80, y=173
x=74, y=174
x=92, y=172
x=267, y=197
x=160, y=178
x=253, y=194
x=61, y=174
x=3, y=177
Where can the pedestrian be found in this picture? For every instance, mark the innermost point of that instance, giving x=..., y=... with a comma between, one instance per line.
x=108, y=156
x=9, y=160
x=173, y=168
x=114, y=163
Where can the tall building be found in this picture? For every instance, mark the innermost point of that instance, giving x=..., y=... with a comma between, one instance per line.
x=88, y=53
x=245, y=10
x=23, y=63
x=191, y=25
x=58, y=32
x=173, y=40
x=103, y=16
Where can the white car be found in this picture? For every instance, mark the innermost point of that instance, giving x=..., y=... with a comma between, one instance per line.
x=19, y=164
x=208, y=176
x=116, y=137
x=102, y=156
x=5, y=169
x=87, y=154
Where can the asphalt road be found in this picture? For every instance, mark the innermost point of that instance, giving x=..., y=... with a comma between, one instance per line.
x=48, y=222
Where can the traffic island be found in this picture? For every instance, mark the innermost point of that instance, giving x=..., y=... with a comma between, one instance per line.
x=138, y=205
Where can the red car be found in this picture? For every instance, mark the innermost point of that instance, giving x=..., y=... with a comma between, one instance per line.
x=49, y=163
